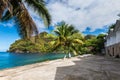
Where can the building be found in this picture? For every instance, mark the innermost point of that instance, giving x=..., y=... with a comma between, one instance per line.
x=112, y=45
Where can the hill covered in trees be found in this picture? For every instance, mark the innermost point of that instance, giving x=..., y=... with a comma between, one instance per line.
x=46, y=43
x=65, y=39
x=42, y=44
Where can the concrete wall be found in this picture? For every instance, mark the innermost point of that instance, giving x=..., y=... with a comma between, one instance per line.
x=113, y=50
x=117, y=36
x=113, y=41
x=113, y=45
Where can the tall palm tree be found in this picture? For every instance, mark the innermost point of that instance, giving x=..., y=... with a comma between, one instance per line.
x=17, y=9
x=67, y=39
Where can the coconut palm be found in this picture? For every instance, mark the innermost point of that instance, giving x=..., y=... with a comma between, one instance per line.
x=66, y=38
x=17, y=9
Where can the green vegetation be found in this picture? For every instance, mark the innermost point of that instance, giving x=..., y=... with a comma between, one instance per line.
x=95, y=44
x=68, y=39
x=17, y=9
x=43, y=44
x=111, y=27
x=65, y=39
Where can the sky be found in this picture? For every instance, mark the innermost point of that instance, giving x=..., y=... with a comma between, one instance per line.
x=89, y=17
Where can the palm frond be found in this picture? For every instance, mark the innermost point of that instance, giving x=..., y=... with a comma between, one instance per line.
x=57, y=33
x=74, y=50
x=73, y=30
x=57, y=45
x=7, y=16
x=3, y=6
x=10, y=8
x=77, y=41
x=69, y=37
x=39, y=6
x=26, y=27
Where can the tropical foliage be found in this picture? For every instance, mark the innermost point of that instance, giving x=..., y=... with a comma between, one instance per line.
x=64, y=39
x=17, y=9
x=42, y=44
x=68, y=38
x=89, y=36
x=95, y=44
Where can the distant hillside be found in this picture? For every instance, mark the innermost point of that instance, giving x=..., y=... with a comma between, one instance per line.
x=43, y=44
x=46, y=43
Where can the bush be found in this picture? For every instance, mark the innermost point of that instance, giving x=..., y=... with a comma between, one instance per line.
x=84, y=50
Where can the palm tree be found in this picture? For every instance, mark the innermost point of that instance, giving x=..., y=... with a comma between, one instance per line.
x=17, y=9
x=66, y=38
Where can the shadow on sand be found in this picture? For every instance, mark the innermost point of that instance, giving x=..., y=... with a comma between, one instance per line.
x=90, y=68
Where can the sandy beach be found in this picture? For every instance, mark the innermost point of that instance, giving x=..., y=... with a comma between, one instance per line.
x=77, y=68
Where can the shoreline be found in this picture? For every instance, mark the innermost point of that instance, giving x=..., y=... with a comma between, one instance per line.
x=5, y=73
x=43, y=63
x=46, y=62
x=66, y=69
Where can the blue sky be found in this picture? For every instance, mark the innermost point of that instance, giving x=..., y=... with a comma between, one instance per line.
x=95, y=32
x=89, y=17
x=8, y=34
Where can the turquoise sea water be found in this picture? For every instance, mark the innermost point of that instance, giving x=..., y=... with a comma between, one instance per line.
x=10, y=60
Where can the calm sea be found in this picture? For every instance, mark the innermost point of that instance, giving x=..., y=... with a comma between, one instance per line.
x=9, y=60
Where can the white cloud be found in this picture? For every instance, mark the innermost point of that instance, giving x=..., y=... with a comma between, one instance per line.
x=82, y=14
x=9, y=23
x=89, y=13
